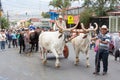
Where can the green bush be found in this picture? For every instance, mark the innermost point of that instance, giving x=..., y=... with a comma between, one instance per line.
x=4, y=23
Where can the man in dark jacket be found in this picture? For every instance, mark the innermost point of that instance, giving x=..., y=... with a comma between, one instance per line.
x=9, y=38
x=21, y=42
x=37, y=33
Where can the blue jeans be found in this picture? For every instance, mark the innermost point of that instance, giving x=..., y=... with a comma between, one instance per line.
x=9, y=43
x=92, y=45
x=2, y=45
x=102, y=55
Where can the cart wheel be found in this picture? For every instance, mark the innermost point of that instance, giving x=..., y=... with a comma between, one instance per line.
x=65, y=51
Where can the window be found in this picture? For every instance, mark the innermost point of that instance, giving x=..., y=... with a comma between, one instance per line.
x=114, y=23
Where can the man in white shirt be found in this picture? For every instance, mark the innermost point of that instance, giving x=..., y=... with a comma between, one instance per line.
x=60, y=22
x=2, y=39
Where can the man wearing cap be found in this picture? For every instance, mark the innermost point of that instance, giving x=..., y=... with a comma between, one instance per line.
x=60, y=22
x=103, y=50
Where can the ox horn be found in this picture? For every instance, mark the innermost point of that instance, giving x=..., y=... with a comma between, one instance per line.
x=82, y=26
x=68, y=29
x=74, y=26
x=96, y=26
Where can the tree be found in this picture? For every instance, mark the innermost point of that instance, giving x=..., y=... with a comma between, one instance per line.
x=60, y=4
x=85, y=16
x=45, y=15
x=4, y=23
x=100, y=7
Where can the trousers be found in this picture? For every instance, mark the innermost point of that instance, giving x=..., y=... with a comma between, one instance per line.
x=101, y=55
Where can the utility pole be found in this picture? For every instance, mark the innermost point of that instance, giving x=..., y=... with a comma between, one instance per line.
x=0, y=13
x=8, y=17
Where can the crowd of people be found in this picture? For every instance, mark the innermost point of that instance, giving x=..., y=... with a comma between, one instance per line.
x=13, y=37
x=8, y=37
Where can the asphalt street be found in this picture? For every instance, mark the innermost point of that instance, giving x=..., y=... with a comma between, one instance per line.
x=15, y=66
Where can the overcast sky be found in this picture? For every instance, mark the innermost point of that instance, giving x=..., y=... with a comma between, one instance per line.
x=17, y=7
x=23, y=6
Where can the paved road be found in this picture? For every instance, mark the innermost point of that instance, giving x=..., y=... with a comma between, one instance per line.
x=14, y=66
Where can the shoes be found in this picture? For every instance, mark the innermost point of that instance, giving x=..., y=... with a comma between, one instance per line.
x=96, y=73
x=104, y=73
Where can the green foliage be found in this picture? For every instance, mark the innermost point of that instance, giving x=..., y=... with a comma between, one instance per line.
x=100, y=7
x=45, y=15
x=85, y=16
x=60, y=3
x=4, y=23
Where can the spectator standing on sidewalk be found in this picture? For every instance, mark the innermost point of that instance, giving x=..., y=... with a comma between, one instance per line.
x=9, y=38
x=2, y=39
x=14, y=39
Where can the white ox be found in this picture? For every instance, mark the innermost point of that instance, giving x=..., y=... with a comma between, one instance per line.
x=81, y=43
x=54, y=42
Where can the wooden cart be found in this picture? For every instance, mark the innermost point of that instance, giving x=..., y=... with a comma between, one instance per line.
x=66, y=51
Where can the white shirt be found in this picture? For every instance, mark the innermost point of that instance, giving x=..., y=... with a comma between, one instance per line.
x=62, y=24
x=2, y=37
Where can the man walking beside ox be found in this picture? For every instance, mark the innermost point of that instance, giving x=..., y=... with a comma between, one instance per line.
x=103, y=50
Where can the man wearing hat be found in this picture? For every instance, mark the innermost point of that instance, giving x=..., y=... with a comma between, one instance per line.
x=60, y=22
x=103, y=50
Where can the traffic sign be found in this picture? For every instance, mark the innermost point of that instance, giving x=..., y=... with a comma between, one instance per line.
x=70, y=19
